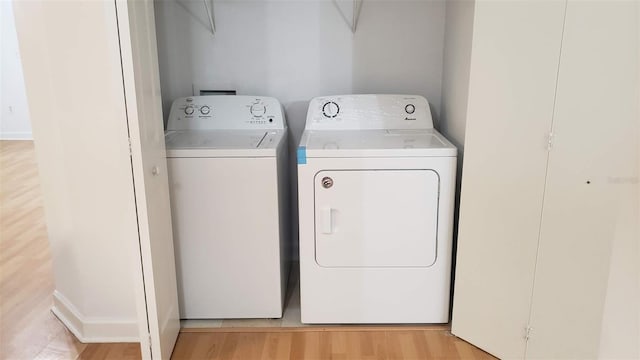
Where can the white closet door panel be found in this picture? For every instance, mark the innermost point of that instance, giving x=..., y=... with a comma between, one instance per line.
x=159, y=305
x=514, y=62
x=592, y=176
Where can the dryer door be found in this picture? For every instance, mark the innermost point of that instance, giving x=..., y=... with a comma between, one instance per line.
x=376, y=218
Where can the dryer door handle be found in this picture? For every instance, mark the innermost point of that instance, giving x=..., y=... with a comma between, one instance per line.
x=327, y=221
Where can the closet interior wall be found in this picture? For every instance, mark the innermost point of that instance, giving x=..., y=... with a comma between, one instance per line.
x=296, y=50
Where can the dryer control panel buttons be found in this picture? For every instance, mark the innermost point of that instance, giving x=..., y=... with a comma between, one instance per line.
x=362, y=112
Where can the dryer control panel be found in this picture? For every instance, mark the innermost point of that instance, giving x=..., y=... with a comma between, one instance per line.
x=354, y=112
x=226, y=112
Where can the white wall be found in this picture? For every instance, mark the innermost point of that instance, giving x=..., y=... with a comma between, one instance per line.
x=457, y=65
x=295, y=50
x=455, y=84
x=73, y=77
x=14, y=115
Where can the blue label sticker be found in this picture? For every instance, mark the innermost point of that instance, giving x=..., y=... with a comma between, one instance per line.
x=302, y=155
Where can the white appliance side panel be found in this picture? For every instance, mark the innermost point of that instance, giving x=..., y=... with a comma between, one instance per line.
x=226, y=230
x=375, y=295
x=284, y=215
x=376, y=218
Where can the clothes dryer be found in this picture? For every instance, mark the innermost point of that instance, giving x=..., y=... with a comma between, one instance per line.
x=376, y=189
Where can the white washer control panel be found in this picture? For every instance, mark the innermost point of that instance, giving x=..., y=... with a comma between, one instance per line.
x=231, y=112
x=353, y=112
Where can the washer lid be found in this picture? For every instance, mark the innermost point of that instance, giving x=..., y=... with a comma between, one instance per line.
x=222, y=143
x=375, y=143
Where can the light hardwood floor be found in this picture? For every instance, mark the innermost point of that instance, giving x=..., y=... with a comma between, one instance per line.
x=328, y=344
x=28, y=330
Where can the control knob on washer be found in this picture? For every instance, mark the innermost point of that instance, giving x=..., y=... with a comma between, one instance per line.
x=258, y=109
x=330, y=109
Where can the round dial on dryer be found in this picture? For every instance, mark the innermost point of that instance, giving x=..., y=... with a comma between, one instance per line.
x=410, y=108
x=258, y=109
x=189, y=110
x=205, y=110
x=330, y=109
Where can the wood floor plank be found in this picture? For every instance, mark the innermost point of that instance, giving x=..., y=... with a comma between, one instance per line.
x=111, y=351
x=26, y=274
x=64, y=346
x=378, y=345
x=277, y=346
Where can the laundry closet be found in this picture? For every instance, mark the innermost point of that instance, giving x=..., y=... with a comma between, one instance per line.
x=539, y=97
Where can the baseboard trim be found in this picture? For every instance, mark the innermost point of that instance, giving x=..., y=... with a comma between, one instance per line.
x=89, y=330
x=16, y=136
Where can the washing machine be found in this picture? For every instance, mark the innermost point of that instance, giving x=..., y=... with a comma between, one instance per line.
x=227, y=164
x=376, y=194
